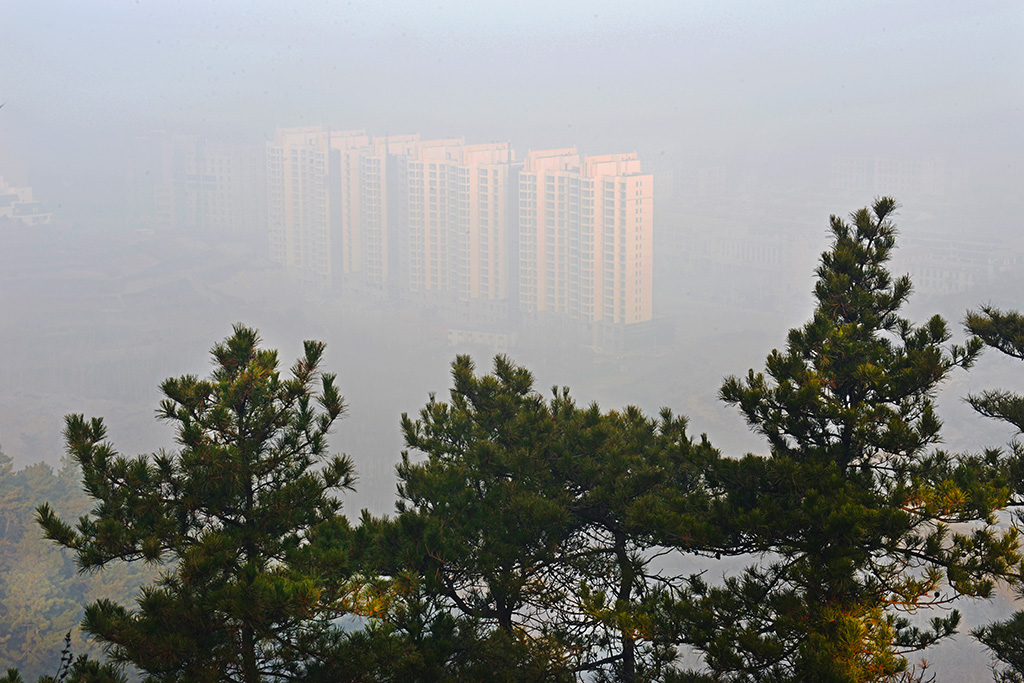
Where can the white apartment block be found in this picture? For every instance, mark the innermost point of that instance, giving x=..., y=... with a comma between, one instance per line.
x=458, y=214
x=559, y=235
x=298, y=204
x=586, y=237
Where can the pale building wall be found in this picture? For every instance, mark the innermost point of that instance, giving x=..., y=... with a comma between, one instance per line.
x=349, y=146
x=366, y=231
x=458, y=199
x=565, y=234
x=541, y=254
x=487, y=257
x=222, y=188
x=17, y=203
x=586, y=237
x=298, y=204
x=624, y=242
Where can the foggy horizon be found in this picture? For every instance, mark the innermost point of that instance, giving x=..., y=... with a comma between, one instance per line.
x=751, y=106
x=764, y=87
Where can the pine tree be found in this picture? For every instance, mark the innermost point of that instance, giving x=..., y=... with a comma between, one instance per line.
x=851, y=511
x=525, y=533
x=226, y=517
x=626, y=472
x=484, y=519
x=1004, y=331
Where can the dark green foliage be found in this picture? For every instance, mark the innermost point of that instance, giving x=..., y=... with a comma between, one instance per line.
x=628, y=475
x=1004, y=331
x=523, y=541
x=1000, y=330
x=226, y=516
x=1006, y=641
x=853, y=513
x=484, y=520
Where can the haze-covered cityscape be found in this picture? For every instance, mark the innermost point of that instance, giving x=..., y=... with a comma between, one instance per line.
x=631, y=201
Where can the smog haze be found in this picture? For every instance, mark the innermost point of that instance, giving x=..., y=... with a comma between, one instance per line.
x=755, y=122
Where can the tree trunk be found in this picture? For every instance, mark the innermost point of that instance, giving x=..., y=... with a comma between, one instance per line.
x=250, y=674
x=628, y=638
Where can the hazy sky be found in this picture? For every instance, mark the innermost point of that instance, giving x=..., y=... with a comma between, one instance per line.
x=702, y=80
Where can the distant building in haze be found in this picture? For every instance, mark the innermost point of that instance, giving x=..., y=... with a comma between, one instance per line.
x=559, y=235
x=931, y=176
x=17, y=203
x=224, y=191
x=457, y=212
x=394, y=214
x=189, y=183
x=364, y=213
x=298, y=206
x=586, y=237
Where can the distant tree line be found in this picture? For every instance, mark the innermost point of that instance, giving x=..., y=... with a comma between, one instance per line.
x=533, y=537
x=42, y=593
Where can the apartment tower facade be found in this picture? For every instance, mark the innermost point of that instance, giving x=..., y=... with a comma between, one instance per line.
x=586, y=237
x=560, y=235
x=458, y=219
x=298, y=203
x=364, y=214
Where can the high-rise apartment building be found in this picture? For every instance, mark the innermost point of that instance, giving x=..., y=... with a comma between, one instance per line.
x=363, y=170
x=298, y=204
x=458, y=216
x=586, y=237
x=430, y=217
x=560, y=235
x=187, y=182
x=223, y=188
